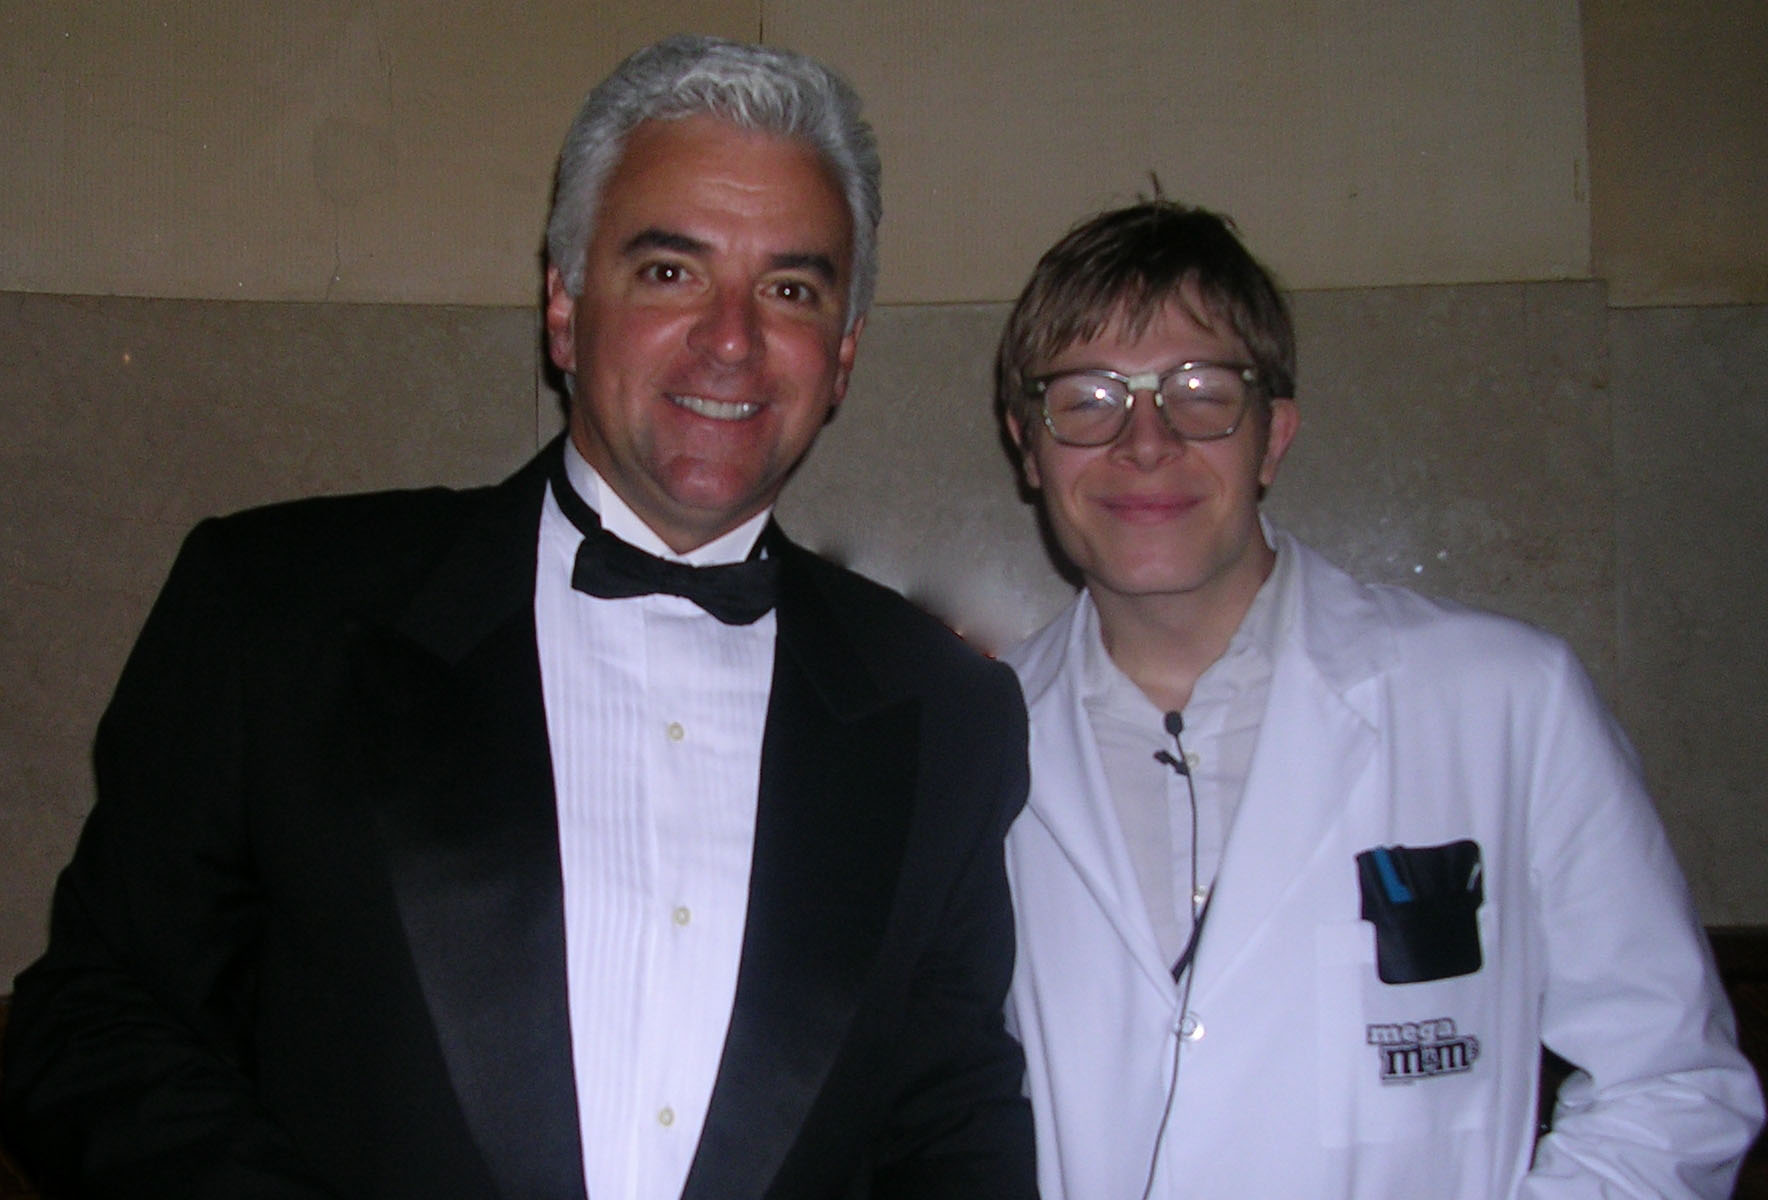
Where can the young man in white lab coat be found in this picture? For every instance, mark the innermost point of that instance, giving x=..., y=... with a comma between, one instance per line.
x=1312, y=870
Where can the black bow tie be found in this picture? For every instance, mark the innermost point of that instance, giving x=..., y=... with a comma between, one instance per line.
x=735, y=593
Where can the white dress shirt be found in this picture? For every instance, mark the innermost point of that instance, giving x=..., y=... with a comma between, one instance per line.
x=655, y=712
x=1221, y=724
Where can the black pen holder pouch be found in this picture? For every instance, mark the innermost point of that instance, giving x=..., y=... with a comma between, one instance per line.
x=1424, y=902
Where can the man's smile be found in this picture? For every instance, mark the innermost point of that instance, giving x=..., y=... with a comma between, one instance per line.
x=716, y=410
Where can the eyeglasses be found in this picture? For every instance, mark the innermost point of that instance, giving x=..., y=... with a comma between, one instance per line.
x=1199, y=401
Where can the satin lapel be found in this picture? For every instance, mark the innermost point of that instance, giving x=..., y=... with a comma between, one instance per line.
x=838, y=772
x=453, y=714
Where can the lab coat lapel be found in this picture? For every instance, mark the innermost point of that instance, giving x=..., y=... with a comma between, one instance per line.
x=1065, y=761
x=454, y=720
x=1316, y=759
x=838, y=772
x=1314, y=756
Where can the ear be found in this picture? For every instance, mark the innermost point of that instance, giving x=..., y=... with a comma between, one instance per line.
x=844, y=357
x=561, y=323
x=1280, y=430
x=1027, y=460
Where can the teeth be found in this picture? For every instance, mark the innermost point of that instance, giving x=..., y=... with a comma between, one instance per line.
x=717, y=410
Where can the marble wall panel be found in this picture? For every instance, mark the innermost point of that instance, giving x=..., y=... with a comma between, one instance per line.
x=1464, y=440
x=123, y=422
x=912, y=485
x=1691, y=520
x=1454, y=439
x=1457, y=440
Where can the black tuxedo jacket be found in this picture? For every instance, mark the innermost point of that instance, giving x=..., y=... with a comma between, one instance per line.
x=312, y=944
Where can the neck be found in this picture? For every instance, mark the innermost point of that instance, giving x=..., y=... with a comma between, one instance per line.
x=1165, y=642
x=625, y=521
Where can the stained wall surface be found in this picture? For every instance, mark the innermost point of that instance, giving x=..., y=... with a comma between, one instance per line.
x=255, y=252
x=401, y=151
x=1356, y=143
x=1691, y=554
x=335, y=150
x=1678, y=172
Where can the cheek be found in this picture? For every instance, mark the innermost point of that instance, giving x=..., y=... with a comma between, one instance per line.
x=1059, y=488
x=628, y=340
x=1076, y=538
x=809, y=355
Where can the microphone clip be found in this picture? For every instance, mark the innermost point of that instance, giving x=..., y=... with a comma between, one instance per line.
x=1175, y=725
x=1177, y=764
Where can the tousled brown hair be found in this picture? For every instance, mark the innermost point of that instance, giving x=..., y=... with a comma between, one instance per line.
x=1126, y=265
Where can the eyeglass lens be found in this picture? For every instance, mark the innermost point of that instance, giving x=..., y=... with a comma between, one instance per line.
x=1090, y=408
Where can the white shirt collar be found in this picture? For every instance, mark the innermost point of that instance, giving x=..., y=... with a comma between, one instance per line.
x=1261, y=629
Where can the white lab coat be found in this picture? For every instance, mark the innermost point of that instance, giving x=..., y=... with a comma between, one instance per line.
x=1392, y=720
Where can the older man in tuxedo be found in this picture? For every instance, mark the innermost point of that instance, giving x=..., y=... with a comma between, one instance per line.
x=579, y=835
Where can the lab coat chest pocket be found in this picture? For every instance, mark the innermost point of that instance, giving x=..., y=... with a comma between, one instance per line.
x=1399, y=1060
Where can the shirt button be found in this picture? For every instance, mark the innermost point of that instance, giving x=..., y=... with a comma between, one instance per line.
x=665, y=1116
x=1193, y=759
x=1191, y=1028
x=676, y=732
x=1199, y=897
x=682, y=915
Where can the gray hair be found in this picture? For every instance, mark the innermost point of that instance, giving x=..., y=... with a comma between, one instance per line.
x=758, y=88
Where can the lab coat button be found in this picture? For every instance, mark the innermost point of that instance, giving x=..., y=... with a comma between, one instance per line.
x=1191, y=1027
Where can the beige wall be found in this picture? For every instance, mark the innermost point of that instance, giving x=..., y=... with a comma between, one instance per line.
x=1679, y=175
x=1480, y=419
x=320, y=150
x=1356, y=143
x=315, y=150
x=303, y=150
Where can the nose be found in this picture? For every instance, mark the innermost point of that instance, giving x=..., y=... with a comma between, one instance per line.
x=728, y=329
x=1147, y=440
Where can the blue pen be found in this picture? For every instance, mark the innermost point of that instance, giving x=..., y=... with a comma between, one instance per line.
x=1397, y=891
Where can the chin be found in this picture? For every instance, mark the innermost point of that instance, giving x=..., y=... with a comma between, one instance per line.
x=1144, y=583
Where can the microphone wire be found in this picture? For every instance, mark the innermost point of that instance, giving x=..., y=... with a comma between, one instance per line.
x=1181, y=970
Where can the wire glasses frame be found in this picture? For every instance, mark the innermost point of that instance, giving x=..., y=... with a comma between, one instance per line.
x=1197, y=401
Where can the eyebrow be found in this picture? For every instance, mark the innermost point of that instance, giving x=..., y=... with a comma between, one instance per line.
x=663, y=239
x=820, y=265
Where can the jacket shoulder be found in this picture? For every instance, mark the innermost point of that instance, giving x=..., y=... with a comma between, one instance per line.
x=341, y=526
x=1431, y=630
x=906, y=649
x=1351, y=628
x=301, y=560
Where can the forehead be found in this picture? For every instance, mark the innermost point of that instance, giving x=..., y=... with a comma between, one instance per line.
x=709, y=179
x=1181, y=328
